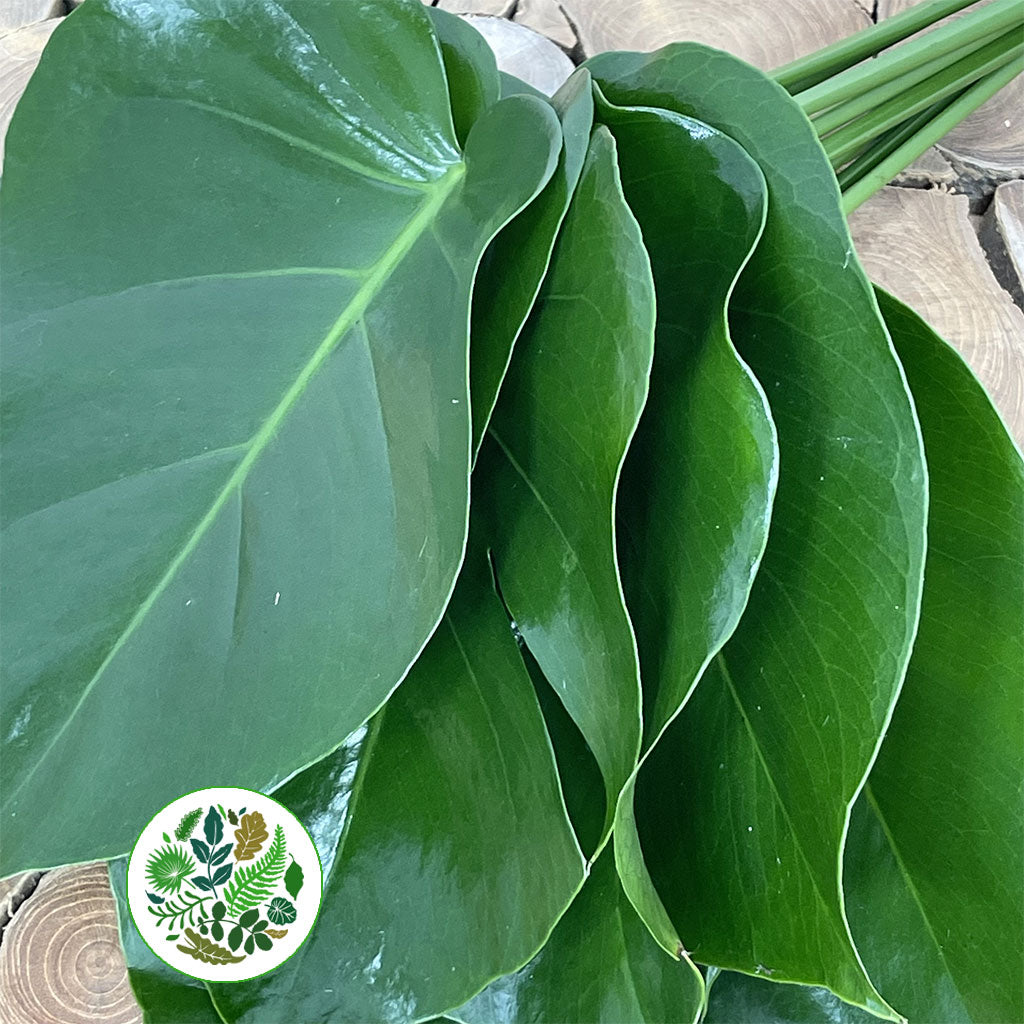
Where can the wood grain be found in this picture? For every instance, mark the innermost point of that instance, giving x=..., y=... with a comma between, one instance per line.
x=60, y=961
x=547, y=18
x=1002, y=235
x=764, y=32
x=524, y=53
x=15, y=14
x=993, y=136
x=19, y=54
x=921, y=247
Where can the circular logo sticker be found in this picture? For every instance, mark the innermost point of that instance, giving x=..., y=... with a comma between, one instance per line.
x=224, y=884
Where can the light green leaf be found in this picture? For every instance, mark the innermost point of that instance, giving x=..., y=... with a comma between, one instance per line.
x=695, y=501
x=236, y=414
x=454, y=827
x=935, y=858
x=743, y=805
x=568, y=408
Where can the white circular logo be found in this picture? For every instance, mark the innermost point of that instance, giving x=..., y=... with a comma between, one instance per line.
x=224, y=884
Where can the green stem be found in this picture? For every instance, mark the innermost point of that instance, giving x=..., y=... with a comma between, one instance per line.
x=843, y=144
x=824, y=63
x=871, y=99
x=886, y=144
x=914, y=146
x=1001, y=16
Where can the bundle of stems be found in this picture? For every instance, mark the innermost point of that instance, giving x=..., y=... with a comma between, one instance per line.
x=877, y=107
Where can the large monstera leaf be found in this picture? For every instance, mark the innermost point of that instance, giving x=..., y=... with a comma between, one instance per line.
x=236, y=416
x=744, y=803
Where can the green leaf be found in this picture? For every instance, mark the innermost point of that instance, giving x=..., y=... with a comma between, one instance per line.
x=213, y=828
x=515, y=262
x=207, y=950
x=280, y=911
x=568, y=409
x=695, y=500
x=216, y=931
x=293, y=878
x=236, y=416
x=253, y=883
x=600, y=966
x=741, y=999
x=935, y=856
x=263, y=941
x=470, y=67
x=454, y=827
x=188, y=824
x=743, y=805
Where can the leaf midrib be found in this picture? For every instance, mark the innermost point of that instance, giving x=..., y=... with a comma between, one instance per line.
x=376, y=278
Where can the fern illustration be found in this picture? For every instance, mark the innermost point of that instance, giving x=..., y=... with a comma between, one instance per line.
x=187, y=824
x=254, y=883
x=175, y=911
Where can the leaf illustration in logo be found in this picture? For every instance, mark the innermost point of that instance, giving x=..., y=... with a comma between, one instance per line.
x=293, y=878
x=217, y=931
x=248, y=919
x=207, y=950
x=201, y=850
x=187, y=824
x=251, y=836
x=213, y=826
x=253, y=883
x=277, y=933
x=263, y=941
x=232, y=817
x=153, y=898
x=235, y=937
x=250, y=944
x=167, y=868
x=201, y=883
x=222, y=874
x=281, y=911
x=221, y=854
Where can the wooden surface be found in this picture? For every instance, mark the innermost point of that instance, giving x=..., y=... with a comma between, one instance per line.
x=60, y=961
x=922, y=247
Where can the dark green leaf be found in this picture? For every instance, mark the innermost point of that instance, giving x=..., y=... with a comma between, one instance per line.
x=744, y=803
x=218, y=910
x=234, y=937
x=245, y=309
x=259, y=926
x=516, y=260
x=431, y=790
x=217, y=931
x=281, y=911
x=293, y=879
x=263, y=941
x=201, y=850
x=213, y=828
x=568, y=408
x=222, y=874
x=249, y=945
x=935, y=857
x=249, y=918
x=201, y=883
x=600, y=966
x=221, y=854
x=740, y=999
x=698, y=483
x=470, y=67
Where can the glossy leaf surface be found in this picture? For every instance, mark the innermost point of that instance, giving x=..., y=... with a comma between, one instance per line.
x=600, y=966
x=745, y=801
x=456, y=856
x=514, y=264
x=236, y=416
x=936, y=852
x=700, y=477
x=740, y=999
x=568, y=408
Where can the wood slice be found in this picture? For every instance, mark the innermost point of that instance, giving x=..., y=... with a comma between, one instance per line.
x=1002, y=235
x=547, y=18
x=19, y=54
x=14, y=890
x=993, y=136
x=767, y=33
x=60, y=961
x=921, y=247
x=15, y=14
x=524, y=53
